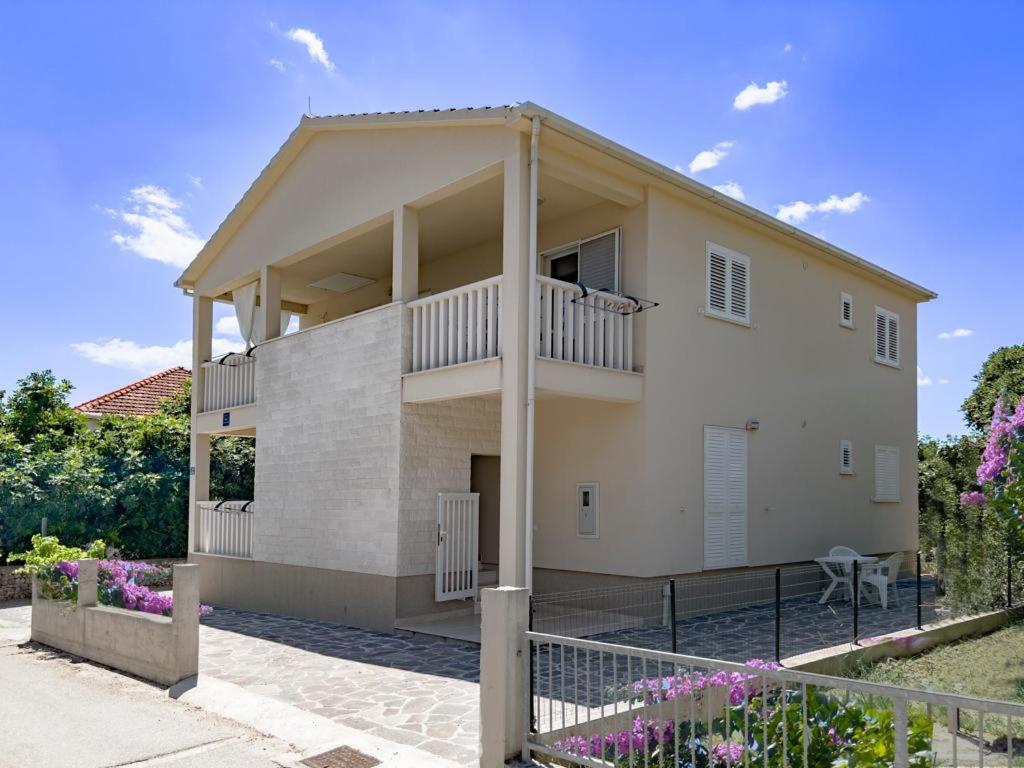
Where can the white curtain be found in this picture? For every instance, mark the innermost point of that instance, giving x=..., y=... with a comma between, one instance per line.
x=286, y=320
x=246, y=312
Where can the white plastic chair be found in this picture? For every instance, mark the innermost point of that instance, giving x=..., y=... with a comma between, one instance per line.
x=884, y=575
x=840, y=573
x=843, y=552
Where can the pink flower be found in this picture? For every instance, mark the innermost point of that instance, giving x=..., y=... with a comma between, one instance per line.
x=972, y=499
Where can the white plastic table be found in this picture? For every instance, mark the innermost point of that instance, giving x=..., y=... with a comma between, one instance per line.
x=839, y=568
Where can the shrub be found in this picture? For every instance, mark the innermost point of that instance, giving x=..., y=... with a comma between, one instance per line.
x=48, y=551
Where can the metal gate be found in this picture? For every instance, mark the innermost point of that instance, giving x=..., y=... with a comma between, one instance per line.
x=458, y=525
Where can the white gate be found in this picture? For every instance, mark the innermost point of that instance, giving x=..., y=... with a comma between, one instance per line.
x=458, y=526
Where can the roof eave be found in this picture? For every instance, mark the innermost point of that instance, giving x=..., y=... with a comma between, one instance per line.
x=585, y=135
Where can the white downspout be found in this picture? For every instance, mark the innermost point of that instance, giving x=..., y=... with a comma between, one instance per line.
x=531, y=357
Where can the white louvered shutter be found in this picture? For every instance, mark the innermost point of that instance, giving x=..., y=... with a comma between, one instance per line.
x=736, y=445
x=599, y=262
x=887, y=473
x=718, y=267
x=728, y=283
x=887, y=337
x=725, y=497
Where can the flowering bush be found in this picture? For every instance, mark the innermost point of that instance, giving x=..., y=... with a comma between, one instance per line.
x=763, y=723
x=120, y=584
x=47, y=551
x=1001, y=471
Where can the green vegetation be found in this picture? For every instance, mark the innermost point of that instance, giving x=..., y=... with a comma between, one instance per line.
x=990, y=667
x=125, y=482
x=966, y=546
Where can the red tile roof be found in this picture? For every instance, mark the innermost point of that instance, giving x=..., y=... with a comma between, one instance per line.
x=138, y=398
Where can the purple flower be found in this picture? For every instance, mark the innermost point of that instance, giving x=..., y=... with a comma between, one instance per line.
x=972, y=499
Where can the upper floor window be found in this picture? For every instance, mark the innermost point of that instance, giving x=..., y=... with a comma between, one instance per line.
x=887, y=337
x=593, y=262
x=846, y=310
x=728, y=284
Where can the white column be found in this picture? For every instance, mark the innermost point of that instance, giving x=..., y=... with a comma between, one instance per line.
x=405, y=259
x=199, y=451
x=270, y=302
x=514, y=338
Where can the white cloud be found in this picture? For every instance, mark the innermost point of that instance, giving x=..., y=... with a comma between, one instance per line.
x=158, y=230
x=943, y=381
x=228, y=326
x=787, y=48
x=277, y=64
x=800, y=210
x=753, y=94
x=956, y=333
x=122, y=353
x=314, y=46
x=923, y=380
x=732, y=189
x=196, y=181
x=709, y=158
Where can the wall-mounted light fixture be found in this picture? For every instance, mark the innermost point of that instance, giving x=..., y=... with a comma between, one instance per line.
x=753, y=425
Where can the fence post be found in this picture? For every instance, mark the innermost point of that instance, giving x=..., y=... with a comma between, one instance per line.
x=920, y=627
x=901, y=726
x=1009, y=578
x=529, y=667
x=778, y=615
x=856, y=600
x=672, y=611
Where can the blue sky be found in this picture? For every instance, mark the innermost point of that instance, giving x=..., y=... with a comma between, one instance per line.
x=129, y=130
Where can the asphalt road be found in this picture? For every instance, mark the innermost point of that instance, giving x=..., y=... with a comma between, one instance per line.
x=54, y=712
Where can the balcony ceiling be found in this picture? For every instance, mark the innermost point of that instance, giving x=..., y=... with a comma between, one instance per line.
x=451, y=225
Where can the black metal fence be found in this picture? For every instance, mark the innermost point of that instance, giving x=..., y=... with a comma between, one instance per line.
x=769, y=614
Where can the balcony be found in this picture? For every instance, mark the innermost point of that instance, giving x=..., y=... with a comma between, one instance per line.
x=225, y=528
x=584, y=344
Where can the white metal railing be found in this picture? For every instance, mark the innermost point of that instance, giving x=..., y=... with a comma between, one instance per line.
x=592, y=329
x=598, y=704
x=228, y=382
x=225, y=527
x=457, y=326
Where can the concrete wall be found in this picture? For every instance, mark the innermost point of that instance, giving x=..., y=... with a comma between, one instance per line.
x=809, y=381
x=327, y=445
x=158, y=648
x=438, y=442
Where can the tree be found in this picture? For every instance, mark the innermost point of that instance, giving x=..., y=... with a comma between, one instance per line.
x=39, y=408
x=1002, y=374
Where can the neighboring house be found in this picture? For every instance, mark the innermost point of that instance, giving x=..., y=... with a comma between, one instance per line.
x=140, y=398
x=424, y=419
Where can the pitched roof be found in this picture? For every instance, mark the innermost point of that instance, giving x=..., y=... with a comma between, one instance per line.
x=140, y=397
x=509, y=114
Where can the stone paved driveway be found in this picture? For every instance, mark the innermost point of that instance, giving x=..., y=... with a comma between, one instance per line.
x=411, y=690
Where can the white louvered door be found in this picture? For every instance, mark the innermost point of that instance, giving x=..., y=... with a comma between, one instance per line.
x=457, y=565
x=725, y=497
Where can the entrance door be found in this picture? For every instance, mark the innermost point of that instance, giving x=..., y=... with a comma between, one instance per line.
x=485, y=479
x=458, y=520
x=725, y=497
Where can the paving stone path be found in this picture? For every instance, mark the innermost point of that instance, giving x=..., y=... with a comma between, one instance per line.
x=411, y=690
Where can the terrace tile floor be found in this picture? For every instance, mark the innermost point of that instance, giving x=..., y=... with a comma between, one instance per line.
x=418, y=691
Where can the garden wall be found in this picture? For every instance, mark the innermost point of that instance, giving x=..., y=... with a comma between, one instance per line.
x=158, y=648
x=13, y=585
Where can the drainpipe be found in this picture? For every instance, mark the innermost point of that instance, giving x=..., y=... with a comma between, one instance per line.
x=531, y=357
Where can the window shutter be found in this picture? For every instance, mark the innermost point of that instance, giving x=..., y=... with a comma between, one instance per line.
x=728, y=283
x=717, y=268
x=738, y=288
x=599, y=260
x=887, y=337
x=845, y=457
x=887, y=473
x=716, y=498
x=846, y=310
x=737, y=510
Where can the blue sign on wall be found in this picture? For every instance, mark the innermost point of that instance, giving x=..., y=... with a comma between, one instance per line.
x=226, y=420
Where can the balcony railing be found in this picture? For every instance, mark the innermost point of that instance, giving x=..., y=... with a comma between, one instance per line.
x=592, y=327
x=229, y=382
x=457, y=326
x=225, y=527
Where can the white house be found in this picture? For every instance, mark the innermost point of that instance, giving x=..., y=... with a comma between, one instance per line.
x=581, y=370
